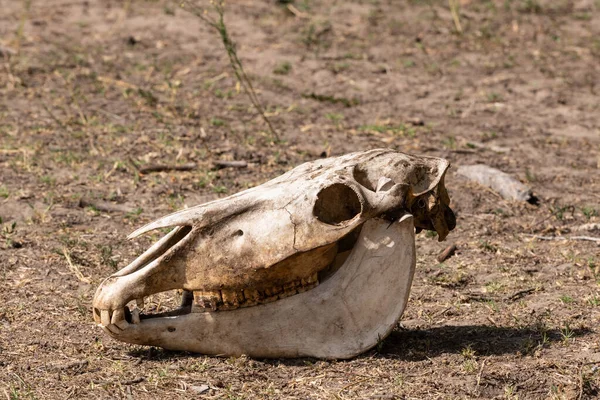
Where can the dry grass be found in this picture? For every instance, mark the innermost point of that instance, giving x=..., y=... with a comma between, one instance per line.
x=93, y=92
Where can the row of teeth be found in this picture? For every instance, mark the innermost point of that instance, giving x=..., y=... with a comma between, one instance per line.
x=224, y=300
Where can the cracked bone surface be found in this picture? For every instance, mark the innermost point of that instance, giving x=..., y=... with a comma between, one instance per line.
x=317, y=262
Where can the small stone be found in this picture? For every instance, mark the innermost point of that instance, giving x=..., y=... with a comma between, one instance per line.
x=200, y=389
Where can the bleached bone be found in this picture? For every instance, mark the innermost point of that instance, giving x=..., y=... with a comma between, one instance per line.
x=317, y=262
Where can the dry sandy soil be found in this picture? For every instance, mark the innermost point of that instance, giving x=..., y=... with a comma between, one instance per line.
x=91, y=92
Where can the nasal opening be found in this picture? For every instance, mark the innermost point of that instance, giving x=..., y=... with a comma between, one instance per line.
x=157, y=250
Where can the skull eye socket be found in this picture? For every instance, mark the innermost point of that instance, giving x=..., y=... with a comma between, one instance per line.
x=336, y=204
x=361, y=175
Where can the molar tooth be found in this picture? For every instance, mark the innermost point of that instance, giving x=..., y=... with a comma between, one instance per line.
x=314, y=278
x=308, y=283
x=306, y=287
x=289, y=289
x=288, y=293
x=290, y=286
x=269, y=299
x=228, y=296
x=229, y=307
x=233, y=298
x=248, y=303
x=210, y=299
x=302, y=289
x=251, y=295
x=273, y=291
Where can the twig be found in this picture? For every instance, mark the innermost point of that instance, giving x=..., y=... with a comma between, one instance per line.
x=104, y=206
x=495, y=149
x=133, y=381
x=553, y=214
x=77, y=365
x=580, y=395
x=520, y=294
x=447, y=253
x=586, y=238
x=217, y=78
x=439, y=313
x=355, y=383
x=581, y=377
x=463, y=151
x=480, y=372
x=23, y=19
x=536, y=223
x=454, y=11
x=231, y=164
x=109, y=114
x=297, y=12
x=134, y=165
x=116, y=82
x=129, y=382
x=165, y=167
x=54, y=118
x=112, y=170
x=74, y=268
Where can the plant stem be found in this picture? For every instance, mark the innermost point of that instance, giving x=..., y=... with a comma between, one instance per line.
x=234, y=60
x=454, y=7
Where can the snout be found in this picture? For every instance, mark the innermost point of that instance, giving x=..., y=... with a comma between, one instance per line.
x=156, y=270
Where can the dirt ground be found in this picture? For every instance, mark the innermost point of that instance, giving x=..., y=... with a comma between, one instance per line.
x=91, y=92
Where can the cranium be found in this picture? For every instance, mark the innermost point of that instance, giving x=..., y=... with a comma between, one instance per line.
x=317, y=262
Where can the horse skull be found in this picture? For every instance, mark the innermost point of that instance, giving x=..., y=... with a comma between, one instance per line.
x=317, y=262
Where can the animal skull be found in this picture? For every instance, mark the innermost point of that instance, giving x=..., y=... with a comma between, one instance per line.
x=317, y=262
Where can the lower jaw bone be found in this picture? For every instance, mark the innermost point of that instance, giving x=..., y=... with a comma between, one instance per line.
x=343, y=316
